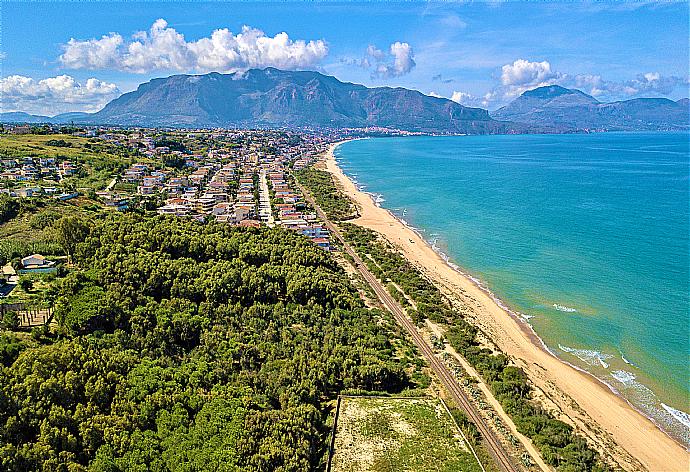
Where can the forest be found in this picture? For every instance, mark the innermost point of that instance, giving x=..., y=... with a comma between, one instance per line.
x=182, y=346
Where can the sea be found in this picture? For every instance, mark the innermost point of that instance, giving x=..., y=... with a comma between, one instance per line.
x=584, y=236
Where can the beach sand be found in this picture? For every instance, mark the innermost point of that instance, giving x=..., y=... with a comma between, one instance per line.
x=605, y=417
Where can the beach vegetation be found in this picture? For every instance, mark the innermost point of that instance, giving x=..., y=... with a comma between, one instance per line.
x=326, y=194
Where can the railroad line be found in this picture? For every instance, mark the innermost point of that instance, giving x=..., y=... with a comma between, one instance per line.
x=493, y=444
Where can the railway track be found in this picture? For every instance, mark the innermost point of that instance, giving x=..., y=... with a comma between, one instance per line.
x=496, y=449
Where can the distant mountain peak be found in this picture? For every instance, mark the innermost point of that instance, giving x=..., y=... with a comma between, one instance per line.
x=549, y=91
x=553, y=91
x=571, y=109
x=278, y=98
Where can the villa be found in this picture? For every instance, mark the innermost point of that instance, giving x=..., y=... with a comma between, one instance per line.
x=36, y=261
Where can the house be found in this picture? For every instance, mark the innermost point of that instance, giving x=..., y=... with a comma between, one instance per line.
x=25, y=129
x=66, y=196
x=28, y=191
x=323, y=243
x=36, y=261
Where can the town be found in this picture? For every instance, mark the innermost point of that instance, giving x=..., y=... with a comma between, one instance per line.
x=238, y=177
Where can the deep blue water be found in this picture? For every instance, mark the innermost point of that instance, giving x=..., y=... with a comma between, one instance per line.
x=584, y=235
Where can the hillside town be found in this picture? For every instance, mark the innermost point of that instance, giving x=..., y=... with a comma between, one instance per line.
x=237, y=177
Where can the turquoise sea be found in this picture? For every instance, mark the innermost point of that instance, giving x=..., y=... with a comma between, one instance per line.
x=585, y=236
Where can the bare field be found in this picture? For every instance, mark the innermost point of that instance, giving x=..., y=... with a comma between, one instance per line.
x=398, y=434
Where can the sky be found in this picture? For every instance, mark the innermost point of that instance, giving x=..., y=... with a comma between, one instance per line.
x=58, y=56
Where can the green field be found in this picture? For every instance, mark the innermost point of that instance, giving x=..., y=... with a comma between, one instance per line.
x=398, y=434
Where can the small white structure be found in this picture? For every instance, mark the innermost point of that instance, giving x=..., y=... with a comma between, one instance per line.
x=36, y=261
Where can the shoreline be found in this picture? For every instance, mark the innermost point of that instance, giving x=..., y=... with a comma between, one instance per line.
x=630, y=428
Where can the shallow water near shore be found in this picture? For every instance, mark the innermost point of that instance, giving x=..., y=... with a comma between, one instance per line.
x=586, y=236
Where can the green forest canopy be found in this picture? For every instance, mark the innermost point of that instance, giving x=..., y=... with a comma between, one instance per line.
x=190, y=347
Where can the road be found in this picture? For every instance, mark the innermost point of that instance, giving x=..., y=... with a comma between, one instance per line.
x=111, y=185
x=496, y=449
x=265, y=211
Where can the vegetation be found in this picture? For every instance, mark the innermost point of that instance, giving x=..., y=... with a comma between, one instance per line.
x=411, y=434
x=327, y=196
x=97, y=161
x=387, y=264
x=187, y=347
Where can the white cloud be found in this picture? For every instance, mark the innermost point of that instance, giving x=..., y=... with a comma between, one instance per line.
x=375, y=53
x=470, y=100
x=54, y=95
x=463, y=98
x=398, y=61
x=523, y=75
x=163, y=48
x=92, y=54
x=526, y=73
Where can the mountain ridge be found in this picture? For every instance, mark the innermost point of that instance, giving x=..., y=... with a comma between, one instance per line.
x=274, y=98
x=574, y=110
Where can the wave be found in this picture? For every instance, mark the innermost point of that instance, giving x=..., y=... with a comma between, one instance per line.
x=681, y=416
x=589, y=356
x=626, y=360
x=564, y=308
x=646, y=401
x=623, y=376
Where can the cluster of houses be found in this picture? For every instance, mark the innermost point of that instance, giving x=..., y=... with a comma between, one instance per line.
x=224, y=175
x=291, y=211
x=39, y=176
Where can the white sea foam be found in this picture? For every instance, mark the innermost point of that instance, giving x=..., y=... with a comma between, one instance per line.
x=588, y=356
x=681, y=416
x=564, y=308
x=624, y=377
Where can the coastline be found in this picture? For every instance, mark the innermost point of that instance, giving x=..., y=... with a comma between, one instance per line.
x=595, y=400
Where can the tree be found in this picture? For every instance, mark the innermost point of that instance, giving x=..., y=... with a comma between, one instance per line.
x=9, y=208
x=70, y=231
x=26, y=284
x=10, y=320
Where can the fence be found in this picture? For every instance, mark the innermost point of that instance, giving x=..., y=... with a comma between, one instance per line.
x=28, y=316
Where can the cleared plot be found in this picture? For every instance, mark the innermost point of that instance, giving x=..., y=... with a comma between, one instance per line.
x=398, y=434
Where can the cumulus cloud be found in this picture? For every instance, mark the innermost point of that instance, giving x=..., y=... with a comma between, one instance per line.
x=470, y=100
x=54, y=95
x=648, y=83
x=396, y=62
x=463, y=98
x=164, y=48
x=526, y=73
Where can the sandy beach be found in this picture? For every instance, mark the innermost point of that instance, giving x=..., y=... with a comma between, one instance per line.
x=631, y=438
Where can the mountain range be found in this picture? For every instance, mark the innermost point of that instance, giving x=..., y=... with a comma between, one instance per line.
x=275, y=98
x=561, y=108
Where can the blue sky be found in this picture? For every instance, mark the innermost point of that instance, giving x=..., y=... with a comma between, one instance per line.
x=65, y=56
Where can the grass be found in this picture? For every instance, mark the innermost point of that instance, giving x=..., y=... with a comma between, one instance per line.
x=398, y=434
